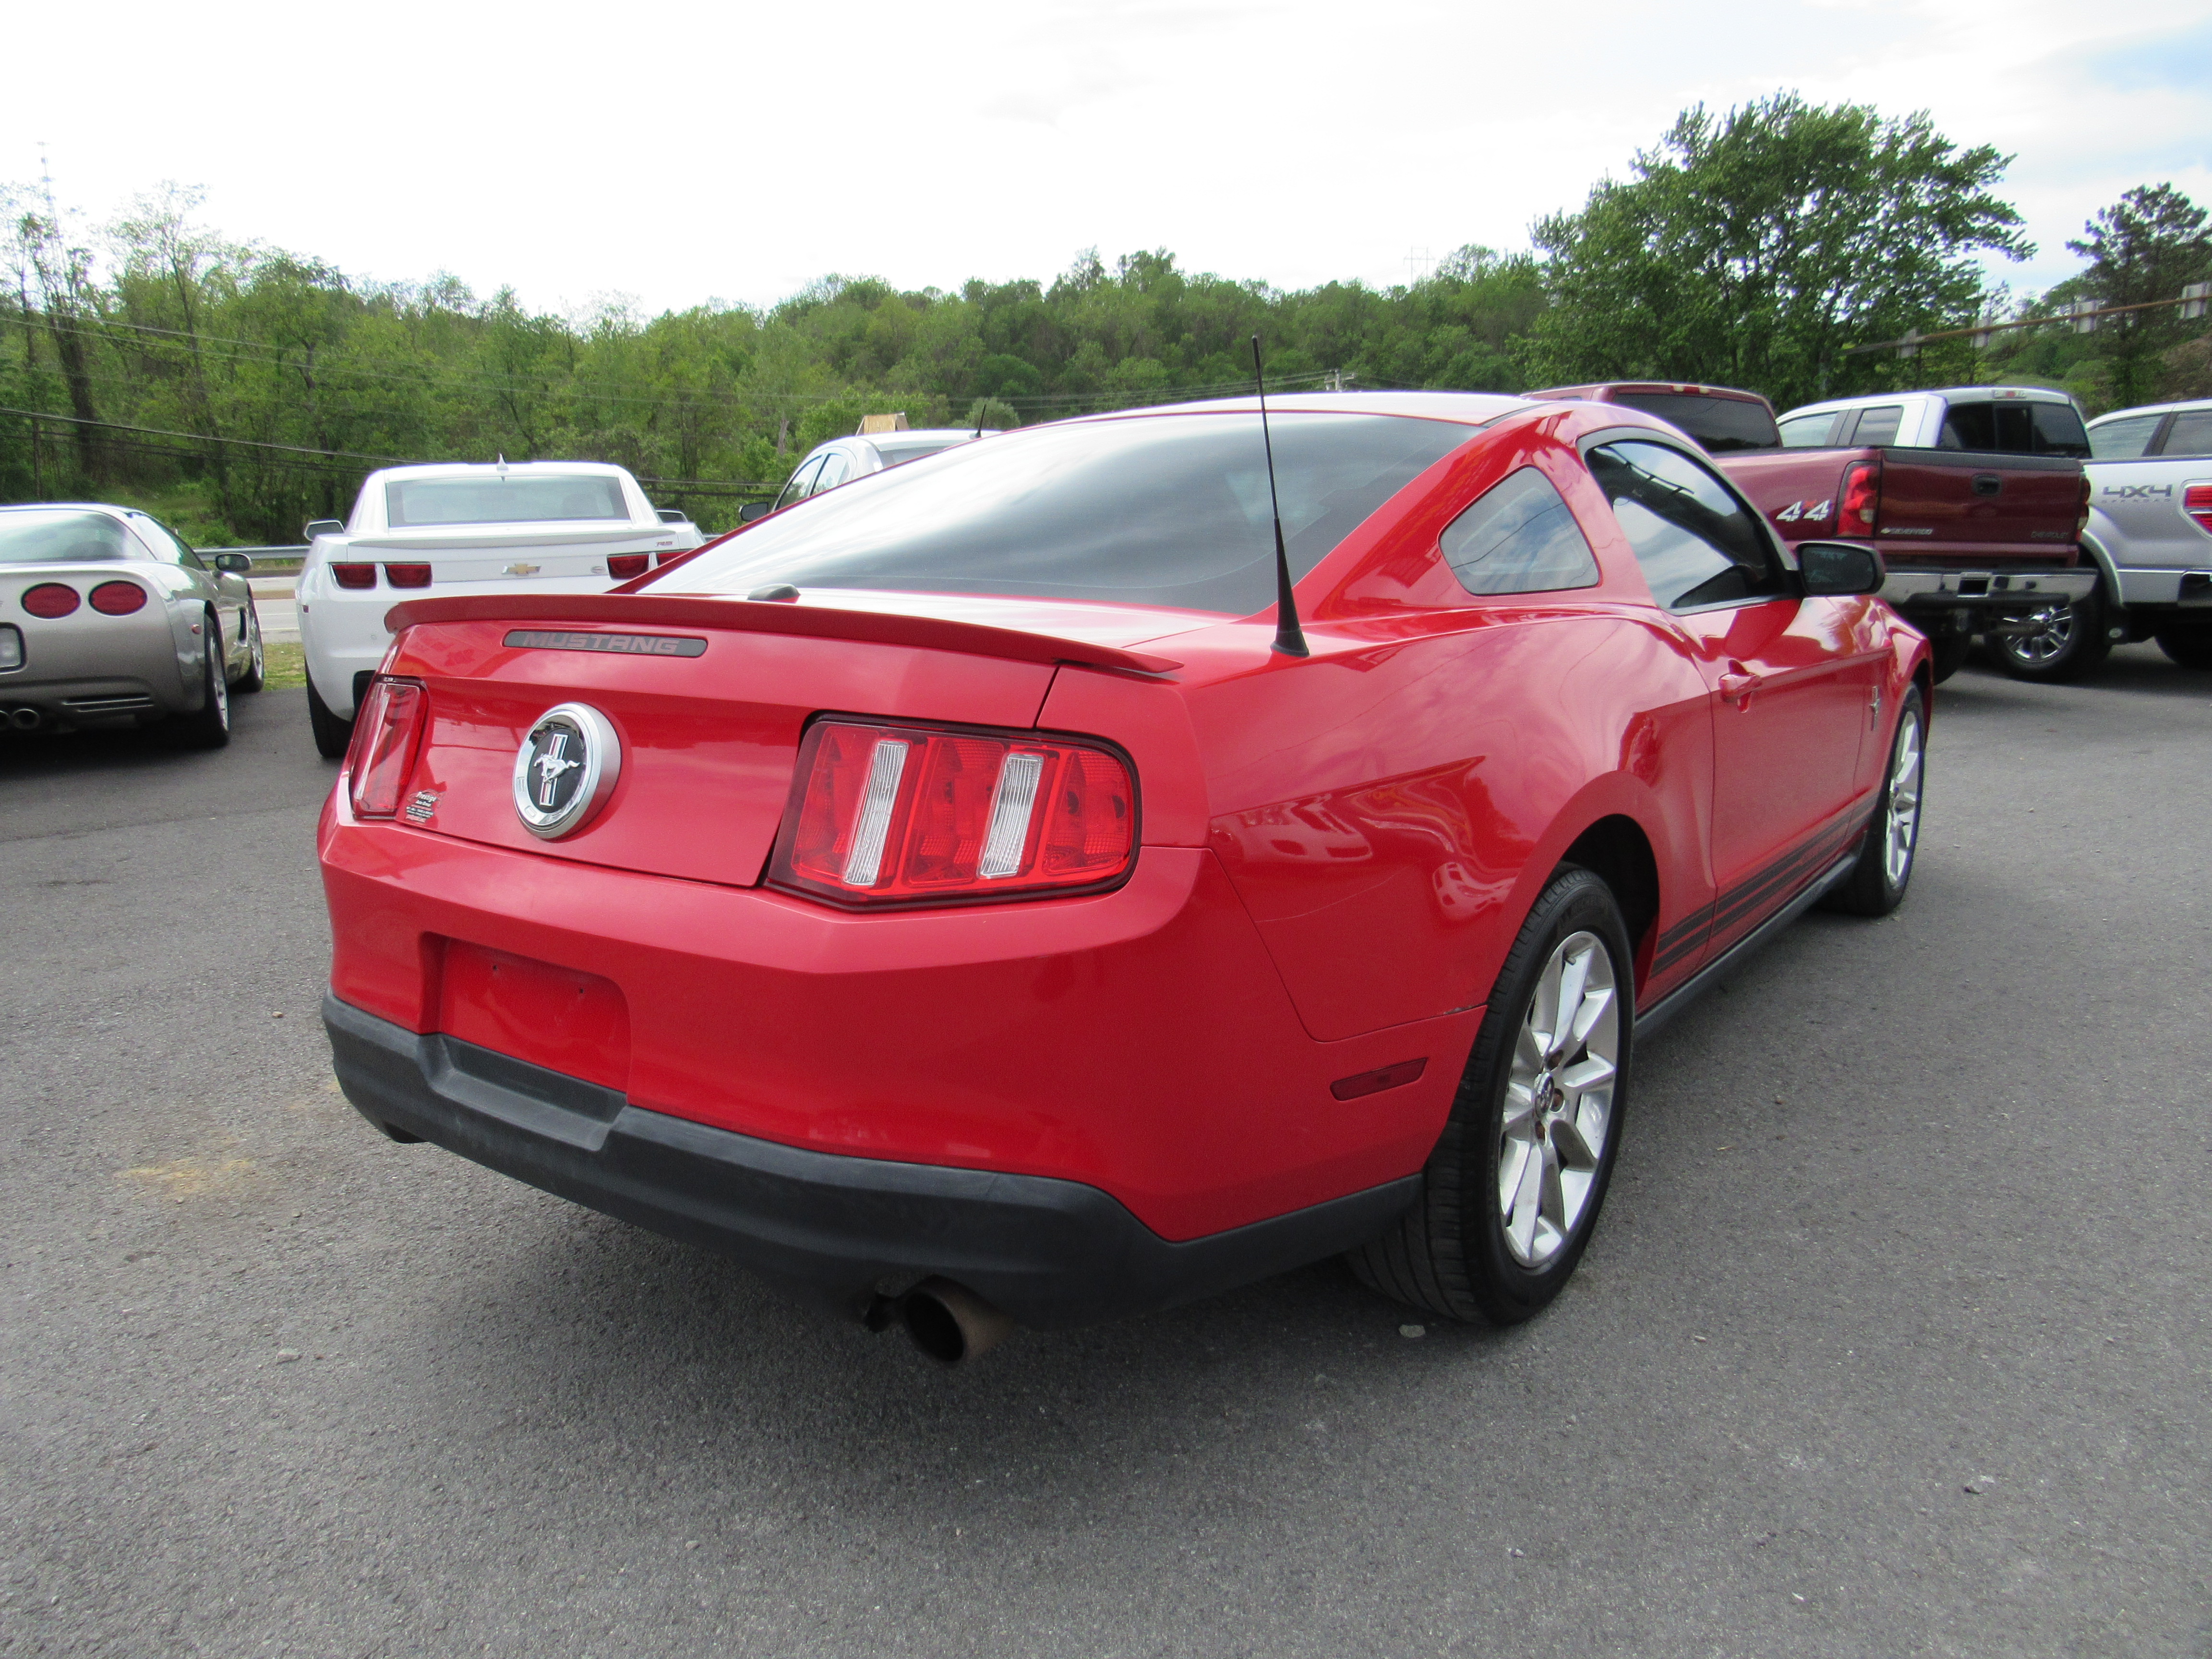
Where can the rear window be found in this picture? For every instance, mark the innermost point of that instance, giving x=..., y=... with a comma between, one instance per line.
x=2191, y=434
x=1807, y=431
x=2122, y=440
x=1168, y=510
x=1719, y=424
x=2015, y=428
x=52, y=537
x=502, y=499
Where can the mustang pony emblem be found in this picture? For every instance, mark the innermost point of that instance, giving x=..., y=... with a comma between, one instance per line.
x=550, y=765
x=565, y=769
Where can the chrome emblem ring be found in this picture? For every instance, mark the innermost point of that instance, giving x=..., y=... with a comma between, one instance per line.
x=566, y=770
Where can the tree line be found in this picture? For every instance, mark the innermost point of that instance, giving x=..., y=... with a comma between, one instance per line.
x=238, y=389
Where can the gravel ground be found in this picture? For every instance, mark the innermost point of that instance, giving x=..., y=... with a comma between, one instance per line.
x=1893, y=1338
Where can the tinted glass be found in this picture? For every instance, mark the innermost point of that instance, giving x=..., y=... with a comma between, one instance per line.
x=2191, y=433
x=1719, y=423
x=796, y=486
x=1519, y=538
x=495, y=500
x=1977, y=426
x=1697, y=544
x=1807, y=431
x=47, y=537
x=836, y=467
x=1878, y=426
x=1166, y=510
x=2058, y=430
x=2122, y=440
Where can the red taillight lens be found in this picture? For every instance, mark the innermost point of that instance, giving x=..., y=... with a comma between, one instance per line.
x=915, y=815
x=385, y=730
x=118, y=599
x=50, y=599
x=623, y=566
x=406, y=576
x=1861, y=501
x=2196, y=501
x=353, y=575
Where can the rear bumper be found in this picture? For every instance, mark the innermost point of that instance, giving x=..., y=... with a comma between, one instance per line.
x=1980, y=595
x=1049, y=1252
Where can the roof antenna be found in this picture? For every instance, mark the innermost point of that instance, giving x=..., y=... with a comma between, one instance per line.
x=1290, y=640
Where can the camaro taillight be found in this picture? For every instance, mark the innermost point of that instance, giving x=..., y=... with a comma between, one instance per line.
x=353, y=575
x=406, y=576
x=50, y=599
x=118, y=599
x=917, y=815
x=385, y=730
x=2196, y=501
x=623, y=566
x=1862, y=498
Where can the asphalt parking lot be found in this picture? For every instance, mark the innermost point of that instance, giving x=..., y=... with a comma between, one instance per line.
x=1896, y=1337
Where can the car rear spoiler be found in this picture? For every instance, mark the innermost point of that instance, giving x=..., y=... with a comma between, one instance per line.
x=751, y=616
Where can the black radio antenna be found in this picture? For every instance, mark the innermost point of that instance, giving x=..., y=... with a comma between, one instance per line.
x=1290, y=639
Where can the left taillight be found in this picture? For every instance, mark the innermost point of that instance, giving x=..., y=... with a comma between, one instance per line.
x=385, y=730
x=623, y=566
x=884, y=814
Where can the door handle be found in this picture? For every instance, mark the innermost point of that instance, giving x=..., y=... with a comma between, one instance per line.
x=1737, y=682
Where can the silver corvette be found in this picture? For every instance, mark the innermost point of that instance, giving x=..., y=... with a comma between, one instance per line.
x=106, y=618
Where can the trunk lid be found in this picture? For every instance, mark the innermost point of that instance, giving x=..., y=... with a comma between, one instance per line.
x=709, y=699
x=458, y=553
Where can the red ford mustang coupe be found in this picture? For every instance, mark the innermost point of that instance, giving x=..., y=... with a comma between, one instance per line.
x=964, y=894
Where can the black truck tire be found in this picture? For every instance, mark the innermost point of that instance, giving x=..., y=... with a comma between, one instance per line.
x=2189, y=648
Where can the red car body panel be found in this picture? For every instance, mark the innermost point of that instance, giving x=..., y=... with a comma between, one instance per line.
x=1335, y=851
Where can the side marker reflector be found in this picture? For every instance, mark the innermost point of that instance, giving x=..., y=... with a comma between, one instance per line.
x=1375, y=1082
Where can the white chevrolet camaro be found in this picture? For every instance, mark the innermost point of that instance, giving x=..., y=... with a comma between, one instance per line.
x=450, y=528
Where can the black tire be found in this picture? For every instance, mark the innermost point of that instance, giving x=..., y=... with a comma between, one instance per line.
x=331, y=733
x=1877, y=884
x=2069, y=642
x=256, y=674
x=209, y=726
x=1949, y=654
x=1451, y=1254
x=2187, y=648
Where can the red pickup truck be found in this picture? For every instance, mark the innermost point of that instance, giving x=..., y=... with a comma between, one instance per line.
x=1975, y=496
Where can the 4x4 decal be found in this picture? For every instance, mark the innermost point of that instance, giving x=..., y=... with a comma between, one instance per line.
x=1797, y=510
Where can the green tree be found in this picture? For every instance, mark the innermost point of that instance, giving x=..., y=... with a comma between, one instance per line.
x=2146, y=246
x=1750, y=248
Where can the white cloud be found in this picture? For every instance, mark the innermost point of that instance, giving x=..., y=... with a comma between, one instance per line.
x=671, y=151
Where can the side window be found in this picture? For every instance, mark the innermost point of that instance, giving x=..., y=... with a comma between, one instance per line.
x=2122, y=441
x=1519, y=538
x=836, y=467
x=798, y=485
x=164, y=542
x=1698, y=545
x=2191, y=433
x=1807, y=432
x=1877, y=426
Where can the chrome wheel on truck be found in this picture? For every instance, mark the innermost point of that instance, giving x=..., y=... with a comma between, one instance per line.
x=2061, y=640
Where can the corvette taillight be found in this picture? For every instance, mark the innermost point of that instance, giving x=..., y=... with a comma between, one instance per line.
x=50, y=599
x=883, y=814
x=1861, y=501
x=118, y=599
x=2196, y=501
x=353, y=575
x=385, y=730
x=623, y=566
x=407, y=575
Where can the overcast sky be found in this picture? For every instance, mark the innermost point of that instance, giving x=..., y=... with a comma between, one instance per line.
x=672, y=154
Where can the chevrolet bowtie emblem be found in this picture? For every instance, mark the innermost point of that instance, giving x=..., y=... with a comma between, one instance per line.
x=520, y=569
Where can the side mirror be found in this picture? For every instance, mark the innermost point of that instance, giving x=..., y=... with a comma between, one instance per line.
x=1836, y=569
x=233, y=564
x=754, y=512
x=671, y=515
x=325, y=527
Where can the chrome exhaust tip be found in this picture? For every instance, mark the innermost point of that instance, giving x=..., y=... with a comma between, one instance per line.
x=950, y=1323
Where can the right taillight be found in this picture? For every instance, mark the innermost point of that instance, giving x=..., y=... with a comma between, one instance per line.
x=1860, y=502
x=353, y=575
x=385, y=730
x=2196, y=502
x=406, y=576
x=883, y=814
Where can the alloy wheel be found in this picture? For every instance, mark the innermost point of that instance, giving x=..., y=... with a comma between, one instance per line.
x=1902, y=819
x=2047, y=641
x=1558, y=1100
